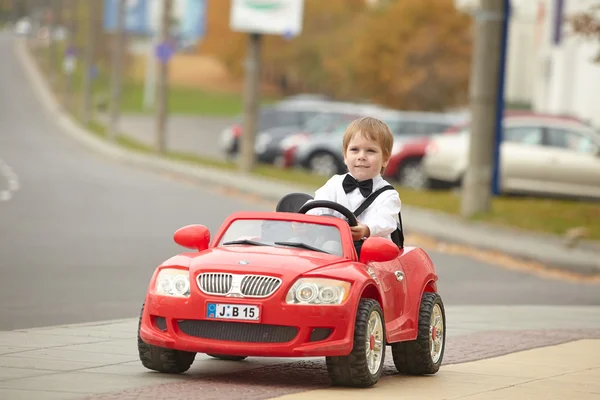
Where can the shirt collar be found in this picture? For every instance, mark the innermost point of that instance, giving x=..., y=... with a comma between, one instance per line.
x=376, y=180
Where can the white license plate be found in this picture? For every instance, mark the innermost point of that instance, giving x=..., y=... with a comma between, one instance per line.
x=232, y=311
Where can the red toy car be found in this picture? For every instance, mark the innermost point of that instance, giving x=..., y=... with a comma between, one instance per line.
x=287, y=284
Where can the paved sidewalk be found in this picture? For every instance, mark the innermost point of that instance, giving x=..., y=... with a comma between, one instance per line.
x=99, y=360
x=570, y=370
x=547, y=249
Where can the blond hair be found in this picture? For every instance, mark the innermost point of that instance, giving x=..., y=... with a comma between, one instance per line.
x=371, y=129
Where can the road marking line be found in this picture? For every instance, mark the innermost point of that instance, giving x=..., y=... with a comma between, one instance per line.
x=11, y=178
x=5, y=195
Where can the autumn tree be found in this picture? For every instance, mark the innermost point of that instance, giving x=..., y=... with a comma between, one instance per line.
x=415, y=54
x=302, y=61
x=587, y=24
x=409, y=54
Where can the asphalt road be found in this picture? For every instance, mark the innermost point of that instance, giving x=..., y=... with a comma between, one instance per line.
x=187, y=130
x=80, y=235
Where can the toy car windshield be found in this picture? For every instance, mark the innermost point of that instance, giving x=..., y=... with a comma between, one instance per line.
x=302, y=235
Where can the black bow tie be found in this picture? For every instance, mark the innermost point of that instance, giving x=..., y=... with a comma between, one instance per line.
x=350, y=183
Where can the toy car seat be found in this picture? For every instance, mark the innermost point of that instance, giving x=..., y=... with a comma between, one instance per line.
x=292, y=202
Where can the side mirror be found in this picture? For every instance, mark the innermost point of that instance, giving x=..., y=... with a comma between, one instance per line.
x=193, y=237
x=378, y=249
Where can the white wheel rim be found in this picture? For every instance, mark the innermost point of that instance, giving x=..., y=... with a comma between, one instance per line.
x=413, y=177
x=436, y=333
x=323, y=165
x=374, y=342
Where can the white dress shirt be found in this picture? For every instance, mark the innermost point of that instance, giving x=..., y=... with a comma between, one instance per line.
x=381, y=216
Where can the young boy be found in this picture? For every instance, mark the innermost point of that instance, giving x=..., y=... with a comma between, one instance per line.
x=367, y=146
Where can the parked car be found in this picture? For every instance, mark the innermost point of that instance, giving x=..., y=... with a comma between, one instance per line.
x=285, y=113
x=322, y=154
x=405, y=165
x=268, y=145
x=307, y=96
x=539, y=155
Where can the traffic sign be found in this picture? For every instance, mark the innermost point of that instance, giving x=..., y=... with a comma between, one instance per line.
x=164, y=51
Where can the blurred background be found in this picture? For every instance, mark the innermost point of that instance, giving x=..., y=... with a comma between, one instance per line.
x=171, y=80
x=407, y=62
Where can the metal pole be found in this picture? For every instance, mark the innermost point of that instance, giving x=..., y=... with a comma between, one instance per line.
x=150, y=73
x=162, y=92
x=251, y=102
x=90, y=51
x=69, y=58
x=500, y=102
x=118, y=49
x=53, y=45
x=476, y=195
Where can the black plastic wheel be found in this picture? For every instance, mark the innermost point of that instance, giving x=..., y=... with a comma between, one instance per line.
x=353, y=369
x=424, y=355
x=162, y=359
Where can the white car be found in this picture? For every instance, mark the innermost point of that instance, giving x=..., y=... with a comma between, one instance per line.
x=539, y=155
x=23, y=27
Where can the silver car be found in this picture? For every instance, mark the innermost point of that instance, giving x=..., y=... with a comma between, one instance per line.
x=285, y=113
x=322, y=153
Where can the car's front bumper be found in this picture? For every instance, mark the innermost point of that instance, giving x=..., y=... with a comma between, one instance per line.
x=284, y=330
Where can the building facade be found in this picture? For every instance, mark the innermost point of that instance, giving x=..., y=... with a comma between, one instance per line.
x=548, y=67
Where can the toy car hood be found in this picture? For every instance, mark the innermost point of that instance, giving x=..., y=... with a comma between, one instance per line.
x=267, y=260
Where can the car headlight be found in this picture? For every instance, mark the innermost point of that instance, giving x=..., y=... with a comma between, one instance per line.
x=173, y=282
x=262, y=142
x=318, y=291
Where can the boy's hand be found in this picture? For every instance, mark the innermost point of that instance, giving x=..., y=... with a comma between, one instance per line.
x=360, y=231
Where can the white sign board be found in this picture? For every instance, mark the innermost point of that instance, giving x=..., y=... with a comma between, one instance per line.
x=274, y=17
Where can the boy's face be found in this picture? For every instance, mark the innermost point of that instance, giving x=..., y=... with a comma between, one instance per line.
x=364, y=158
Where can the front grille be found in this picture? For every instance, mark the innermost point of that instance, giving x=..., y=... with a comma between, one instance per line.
x=215, y=283
x=238, y=331
x=221, y=284
x=259, y=286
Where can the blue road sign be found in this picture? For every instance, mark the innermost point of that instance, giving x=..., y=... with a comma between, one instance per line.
x=190, y=14
x=164, y=51
x=193, y=23
x=137, y=19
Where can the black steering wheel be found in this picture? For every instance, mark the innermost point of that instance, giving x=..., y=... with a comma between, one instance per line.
x=331, y=205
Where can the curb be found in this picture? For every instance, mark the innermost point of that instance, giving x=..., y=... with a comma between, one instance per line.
x=546, y=249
